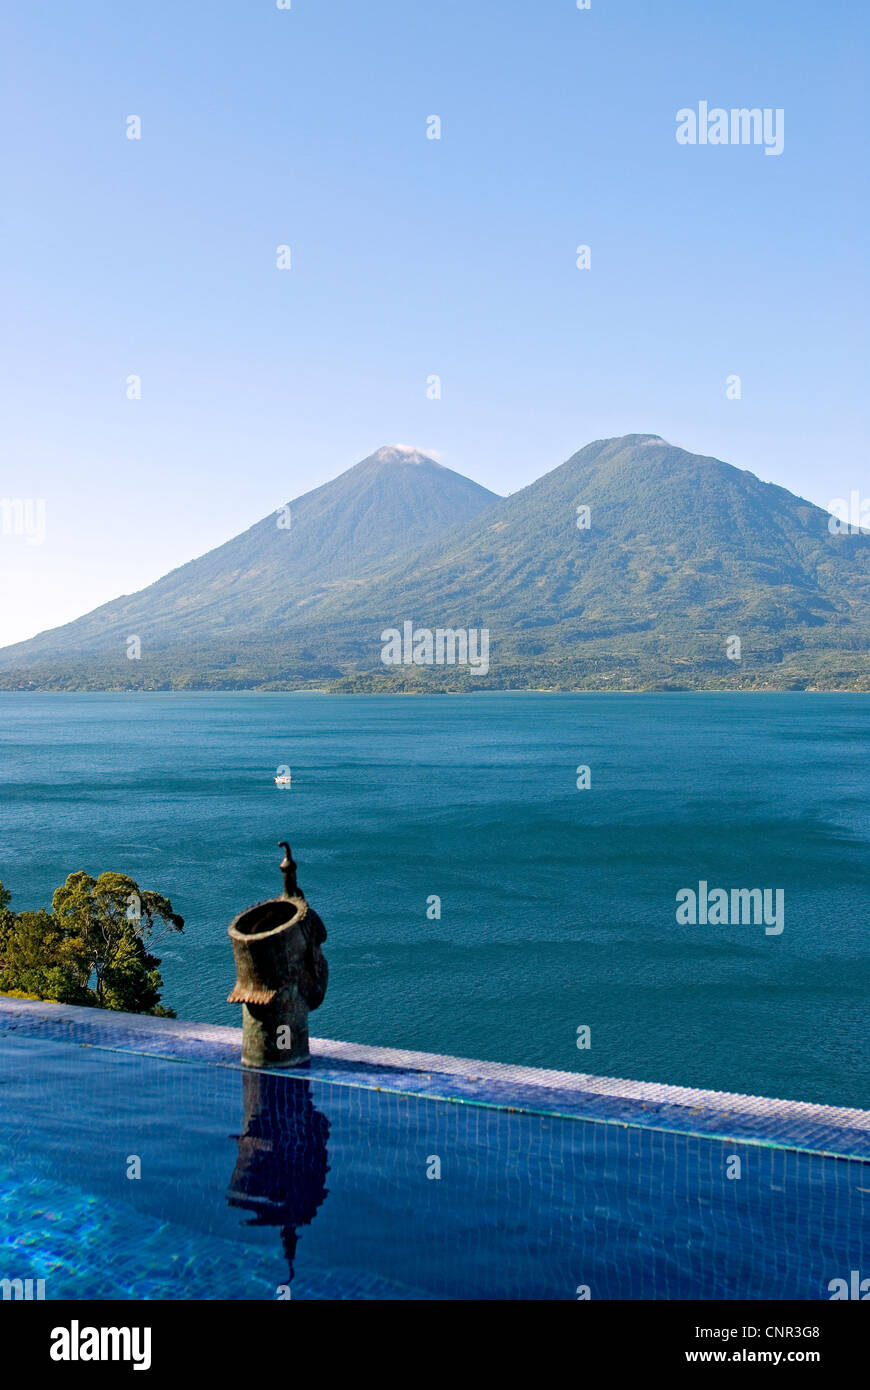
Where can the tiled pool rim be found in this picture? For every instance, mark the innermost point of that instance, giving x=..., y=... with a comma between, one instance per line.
x=798, y=1125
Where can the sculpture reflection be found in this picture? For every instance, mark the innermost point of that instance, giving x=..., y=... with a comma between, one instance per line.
x=280, y=1173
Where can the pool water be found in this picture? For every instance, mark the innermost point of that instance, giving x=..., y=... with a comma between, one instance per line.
x=134, y=1176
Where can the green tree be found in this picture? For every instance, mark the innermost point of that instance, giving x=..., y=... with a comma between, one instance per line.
x=38, y=961
x=5, y=915
x=7, y=921
x=107, y=923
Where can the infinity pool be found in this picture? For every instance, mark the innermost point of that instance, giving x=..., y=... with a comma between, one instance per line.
x=125, y=1174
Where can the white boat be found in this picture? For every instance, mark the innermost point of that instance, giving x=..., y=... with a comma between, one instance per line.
x=283, y=781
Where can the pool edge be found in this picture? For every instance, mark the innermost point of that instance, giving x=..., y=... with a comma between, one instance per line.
x=836, y=1131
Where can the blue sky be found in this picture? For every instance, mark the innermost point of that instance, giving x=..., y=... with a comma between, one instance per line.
x=410, y=257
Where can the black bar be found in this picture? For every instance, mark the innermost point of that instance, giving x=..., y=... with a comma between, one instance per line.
x=225, y=1339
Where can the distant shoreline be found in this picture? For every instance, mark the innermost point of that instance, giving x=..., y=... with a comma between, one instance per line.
x=416, y=694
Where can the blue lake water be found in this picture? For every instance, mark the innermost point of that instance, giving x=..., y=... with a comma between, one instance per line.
x=557, y=904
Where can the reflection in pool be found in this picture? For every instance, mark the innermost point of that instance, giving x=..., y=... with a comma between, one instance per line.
x=280, y=1173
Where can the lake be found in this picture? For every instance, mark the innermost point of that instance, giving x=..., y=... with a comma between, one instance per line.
x=558, y=903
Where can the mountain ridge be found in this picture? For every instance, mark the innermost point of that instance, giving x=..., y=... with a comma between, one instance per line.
x=682, y=553
x=346, y=524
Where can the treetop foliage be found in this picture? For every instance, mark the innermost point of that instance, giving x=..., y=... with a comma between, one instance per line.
x=91, y=948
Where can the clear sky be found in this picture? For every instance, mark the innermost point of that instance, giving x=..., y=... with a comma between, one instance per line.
x=410, y=257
